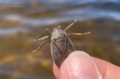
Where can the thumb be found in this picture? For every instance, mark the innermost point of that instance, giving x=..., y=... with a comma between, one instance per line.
x=79, y=65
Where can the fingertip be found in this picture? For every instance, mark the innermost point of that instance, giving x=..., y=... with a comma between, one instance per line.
x=79, y=61
x=79, y=65
x=55, y=70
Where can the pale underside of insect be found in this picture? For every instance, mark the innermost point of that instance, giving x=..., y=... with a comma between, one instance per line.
x=61, y=45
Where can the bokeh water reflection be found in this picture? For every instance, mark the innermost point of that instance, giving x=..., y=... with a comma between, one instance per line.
x=21, y=21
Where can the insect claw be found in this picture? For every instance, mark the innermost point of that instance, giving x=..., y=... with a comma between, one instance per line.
x=34, y=40
x=89, y=32
x=33, y=51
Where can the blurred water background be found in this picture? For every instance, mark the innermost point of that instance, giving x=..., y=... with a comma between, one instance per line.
x=21, y=21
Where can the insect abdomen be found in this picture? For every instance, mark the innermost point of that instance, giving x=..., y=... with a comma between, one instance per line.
x=60, y=49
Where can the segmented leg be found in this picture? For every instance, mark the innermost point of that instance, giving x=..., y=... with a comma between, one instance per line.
x=49, y=31
x=70, y=25
x=41, y=46
x=45, y=37
x=79, y=33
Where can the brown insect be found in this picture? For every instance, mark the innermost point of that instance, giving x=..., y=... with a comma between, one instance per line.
x=61, y=45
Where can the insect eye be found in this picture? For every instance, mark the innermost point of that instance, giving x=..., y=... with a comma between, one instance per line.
x=52, y=30
x=54, y=39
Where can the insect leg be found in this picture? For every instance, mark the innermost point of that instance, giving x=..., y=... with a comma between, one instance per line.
x=70, y=25
x=49, y=31
x=78, y=33
x=45, y=37
x=41, y=46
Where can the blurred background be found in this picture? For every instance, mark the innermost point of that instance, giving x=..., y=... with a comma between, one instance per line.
x=21, y=21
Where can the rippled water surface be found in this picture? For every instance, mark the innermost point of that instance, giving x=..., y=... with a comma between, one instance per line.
x=21, y=21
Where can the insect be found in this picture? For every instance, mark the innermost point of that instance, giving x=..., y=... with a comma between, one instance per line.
x=61, y=45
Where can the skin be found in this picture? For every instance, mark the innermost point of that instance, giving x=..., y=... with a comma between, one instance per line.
x=83, y=66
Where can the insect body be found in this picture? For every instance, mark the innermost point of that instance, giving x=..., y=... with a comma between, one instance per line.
x=61, y=45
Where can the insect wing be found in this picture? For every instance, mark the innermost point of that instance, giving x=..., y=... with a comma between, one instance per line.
x=60, y=49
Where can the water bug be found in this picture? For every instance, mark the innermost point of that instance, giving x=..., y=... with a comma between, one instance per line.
x=61, y=45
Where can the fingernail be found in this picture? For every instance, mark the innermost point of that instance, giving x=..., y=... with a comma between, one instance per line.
x=79, y=65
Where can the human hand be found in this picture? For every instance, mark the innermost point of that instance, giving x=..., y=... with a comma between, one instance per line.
x=79, y=65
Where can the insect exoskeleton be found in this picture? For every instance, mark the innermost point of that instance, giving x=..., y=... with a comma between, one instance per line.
x=61, y=45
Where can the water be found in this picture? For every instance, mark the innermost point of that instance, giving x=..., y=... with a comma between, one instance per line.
x=21, y=21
